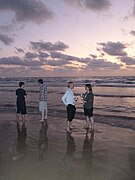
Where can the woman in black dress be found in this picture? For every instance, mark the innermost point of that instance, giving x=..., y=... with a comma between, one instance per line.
x=21, y=105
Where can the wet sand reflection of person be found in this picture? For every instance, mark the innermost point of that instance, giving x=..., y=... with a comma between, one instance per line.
x=87, y=150
x=71, y=147
x=43, y=141
x=21, y=142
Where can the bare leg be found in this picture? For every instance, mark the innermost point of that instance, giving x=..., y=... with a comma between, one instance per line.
x=87, y=122
x=23, y=118
x=45, y=115
x=68, y=126
x=17, y=117
x=71, y=127
x=92, y=123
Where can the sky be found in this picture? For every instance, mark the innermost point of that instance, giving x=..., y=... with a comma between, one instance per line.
x=67, y=38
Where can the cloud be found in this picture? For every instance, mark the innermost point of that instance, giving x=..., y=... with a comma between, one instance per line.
x=43, y=55
x=27, y=10
x=132, y=32
x=15, y=60
x=95, y=5
x=58, y=63
x=128, y=60
x=47, y=56
x=58, y=55
x=48, y=46
x=30, y=55
x=103, y=64
x=6, y=39
x=19, y=50
x=113, y=48
x=98, y=64
x=134, y=9
x=93, y=56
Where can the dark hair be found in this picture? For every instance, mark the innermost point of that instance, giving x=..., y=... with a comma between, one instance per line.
x=89, y=86
x=21, y=84
x=40, y=81
x=69, y=83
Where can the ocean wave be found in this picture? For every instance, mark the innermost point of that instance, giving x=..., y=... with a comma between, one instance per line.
x=78, y=80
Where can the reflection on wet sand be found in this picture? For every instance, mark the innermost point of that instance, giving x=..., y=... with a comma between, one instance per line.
x=21, y=142
x=87, y=151
x=43, y=141
x=70, y=145
x=87, y=145
x=106, y=154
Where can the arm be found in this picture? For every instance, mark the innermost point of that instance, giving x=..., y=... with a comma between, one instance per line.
x=16, y=93
x=64, y=98
x=25, y=94
x=90, y=99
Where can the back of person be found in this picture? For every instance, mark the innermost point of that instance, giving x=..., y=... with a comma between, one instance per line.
x=20, y=94
x=43, y=100
x=43, y=93
x=21, y=105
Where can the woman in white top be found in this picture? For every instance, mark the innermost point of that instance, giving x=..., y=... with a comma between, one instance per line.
x=69, y=100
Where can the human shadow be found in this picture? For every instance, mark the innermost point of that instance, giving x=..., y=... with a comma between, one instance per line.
x=87, y=156
x=43, y=141
x=71, y=147
x=21, y=142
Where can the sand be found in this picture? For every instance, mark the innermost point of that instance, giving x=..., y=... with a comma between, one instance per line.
x=47, y=152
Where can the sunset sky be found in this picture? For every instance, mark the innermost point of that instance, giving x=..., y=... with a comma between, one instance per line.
x=67, y=37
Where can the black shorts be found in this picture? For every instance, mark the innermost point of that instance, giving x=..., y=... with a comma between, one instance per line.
x=70, y=112
x=88, y=112
x=21, y=108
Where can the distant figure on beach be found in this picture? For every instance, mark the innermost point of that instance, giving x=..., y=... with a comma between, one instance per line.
x=88, y=99
x=42, y=100
x=69, y=100
x=21, y=104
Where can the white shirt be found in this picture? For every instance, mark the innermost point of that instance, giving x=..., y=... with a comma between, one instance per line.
x=68, y=97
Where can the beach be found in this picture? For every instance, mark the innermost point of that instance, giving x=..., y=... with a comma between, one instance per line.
x=46, y=151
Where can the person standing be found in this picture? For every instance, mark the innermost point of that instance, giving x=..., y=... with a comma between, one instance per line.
x=69, y=100
x=88, y=100
x=42, y=100
x=21, y=104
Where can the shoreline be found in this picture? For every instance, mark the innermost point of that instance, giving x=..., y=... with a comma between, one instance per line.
x=46, y=151
x=116, y=121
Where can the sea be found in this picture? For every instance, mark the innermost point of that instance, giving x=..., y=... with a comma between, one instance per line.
x=113, y=96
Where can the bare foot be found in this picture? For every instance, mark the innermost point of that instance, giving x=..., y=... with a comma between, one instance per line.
x=86, y=127
x=69, y=131
x=41, y=121
x=91, y=130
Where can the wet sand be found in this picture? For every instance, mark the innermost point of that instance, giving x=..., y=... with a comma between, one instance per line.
x=46, y=152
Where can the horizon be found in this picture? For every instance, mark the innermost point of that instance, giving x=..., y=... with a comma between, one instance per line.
x=57, y=39
x=86, y=76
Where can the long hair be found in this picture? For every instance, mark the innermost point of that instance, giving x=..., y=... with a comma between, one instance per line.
x=89, y=86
